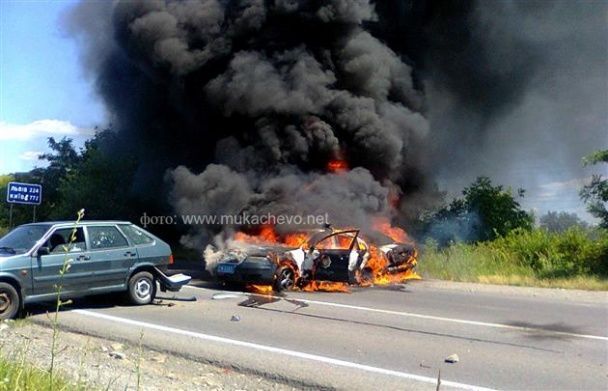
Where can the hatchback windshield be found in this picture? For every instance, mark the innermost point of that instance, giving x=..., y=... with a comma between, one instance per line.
x=22, y=238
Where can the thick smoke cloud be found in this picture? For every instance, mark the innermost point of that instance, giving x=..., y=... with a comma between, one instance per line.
x=516, y=90
x=250, y=100
x=246, y=101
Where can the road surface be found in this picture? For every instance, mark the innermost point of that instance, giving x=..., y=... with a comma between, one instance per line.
x=376, y=338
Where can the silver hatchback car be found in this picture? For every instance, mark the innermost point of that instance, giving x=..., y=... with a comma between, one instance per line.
x=103, y=257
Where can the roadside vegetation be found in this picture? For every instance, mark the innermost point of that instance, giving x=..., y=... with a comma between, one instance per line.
x=574, y=259
x=18, y=374
x=486, y=237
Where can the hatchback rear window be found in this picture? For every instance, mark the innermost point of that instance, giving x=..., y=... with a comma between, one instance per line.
x=106, y=237
x=136, y=235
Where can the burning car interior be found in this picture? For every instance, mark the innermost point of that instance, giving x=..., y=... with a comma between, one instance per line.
x=325, y=259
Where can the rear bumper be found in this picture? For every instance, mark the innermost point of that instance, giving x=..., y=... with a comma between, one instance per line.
x=252, y=270
x=171, y=283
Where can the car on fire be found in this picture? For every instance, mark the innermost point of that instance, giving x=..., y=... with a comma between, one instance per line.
x=103, y=257
x=325, y=255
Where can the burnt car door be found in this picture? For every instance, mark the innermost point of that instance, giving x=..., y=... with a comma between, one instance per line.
x=332, y=255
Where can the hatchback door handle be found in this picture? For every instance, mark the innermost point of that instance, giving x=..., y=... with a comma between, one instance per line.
x=83, y=258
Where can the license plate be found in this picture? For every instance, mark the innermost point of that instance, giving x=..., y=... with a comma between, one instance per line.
x=226, y=269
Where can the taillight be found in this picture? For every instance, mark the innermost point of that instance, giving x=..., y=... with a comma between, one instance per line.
x=171, y=259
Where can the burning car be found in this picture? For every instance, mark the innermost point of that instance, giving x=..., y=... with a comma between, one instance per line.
x=310, y=259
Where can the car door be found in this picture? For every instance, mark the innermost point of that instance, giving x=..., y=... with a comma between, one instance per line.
x=334, y=256
x=65, y=245
x=111, y=256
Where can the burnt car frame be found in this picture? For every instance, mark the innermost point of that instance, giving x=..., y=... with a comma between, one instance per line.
x=336, y=256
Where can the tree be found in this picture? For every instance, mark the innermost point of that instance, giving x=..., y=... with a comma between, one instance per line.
x=595, y=194
x=100, y=183
x=560, y=222
x=484, y=213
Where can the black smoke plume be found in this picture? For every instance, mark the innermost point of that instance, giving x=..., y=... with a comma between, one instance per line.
x=245, y=102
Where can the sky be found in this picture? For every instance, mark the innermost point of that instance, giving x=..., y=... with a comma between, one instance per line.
x=43, y=92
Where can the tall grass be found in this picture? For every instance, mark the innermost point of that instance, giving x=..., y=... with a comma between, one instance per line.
x=18, y=375
x=576, y=258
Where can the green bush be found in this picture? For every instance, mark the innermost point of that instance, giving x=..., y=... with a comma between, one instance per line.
x=573, y=252
x=530, y=256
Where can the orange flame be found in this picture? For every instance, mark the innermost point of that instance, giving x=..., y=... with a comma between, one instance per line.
x=337, y=166
x=259, y=289
x=268, y=235
x=326, y=286
x=383, y=225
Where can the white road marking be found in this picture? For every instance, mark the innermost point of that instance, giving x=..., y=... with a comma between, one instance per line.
x=286, y=352
x=437, y=318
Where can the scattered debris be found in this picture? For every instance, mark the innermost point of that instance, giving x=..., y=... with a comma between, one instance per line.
x=3, y=326
x=117, y=355
x=117, y=346
x=161, y=358
x=104, y=349
x=452, y=358
x=223, y=296
x=235, y=318
x=423, y=365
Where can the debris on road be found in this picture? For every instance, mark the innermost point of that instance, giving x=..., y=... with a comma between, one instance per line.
x=223, y=296
x=452, y=358
x=117, y=355
x=235, y=318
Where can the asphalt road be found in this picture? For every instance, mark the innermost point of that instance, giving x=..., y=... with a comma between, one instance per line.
x=377, y=338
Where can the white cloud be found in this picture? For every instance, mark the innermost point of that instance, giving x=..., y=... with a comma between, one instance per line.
x=40, y=128
x=564, y=188
x=30, y=155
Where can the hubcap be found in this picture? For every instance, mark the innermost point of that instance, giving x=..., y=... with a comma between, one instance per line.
x=143, y=288
x=5, y=302
x=286, y=278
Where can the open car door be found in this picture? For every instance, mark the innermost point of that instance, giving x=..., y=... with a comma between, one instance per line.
x=333, y=255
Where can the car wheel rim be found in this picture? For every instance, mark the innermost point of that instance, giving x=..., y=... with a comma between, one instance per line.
x=143, y=288
x=286, y=278
x=5, y=302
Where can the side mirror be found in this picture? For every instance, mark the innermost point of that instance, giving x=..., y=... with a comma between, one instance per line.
x=43, y=251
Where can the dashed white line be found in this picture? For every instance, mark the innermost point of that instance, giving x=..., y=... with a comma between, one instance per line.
x=285, y=352
x=439, y=318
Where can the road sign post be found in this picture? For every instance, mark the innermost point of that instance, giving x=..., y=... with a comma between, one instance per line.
x=23, y=193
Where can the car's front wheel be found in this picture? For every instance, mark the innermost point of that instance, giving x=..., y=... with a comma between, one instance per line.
x=9, y=301
x=142, y=288
x=285, y=278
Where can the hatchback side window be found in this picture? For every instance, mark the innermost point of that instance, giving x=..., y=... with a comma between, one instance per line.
x=102, y=237
x=136, y=235
x=66, y=240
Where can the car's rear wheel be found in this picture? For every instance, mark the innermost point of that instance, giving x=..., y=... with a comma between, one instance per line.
x=9, y=301
x=142, y=288
x=285, y=278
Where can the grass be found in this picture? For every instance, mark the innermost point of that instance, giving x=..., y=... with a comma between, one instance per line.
x=575, y=259
x=18, y=375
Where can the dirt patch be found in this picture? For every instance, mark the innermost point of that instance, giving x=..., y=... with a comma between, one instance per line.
x=100, y=363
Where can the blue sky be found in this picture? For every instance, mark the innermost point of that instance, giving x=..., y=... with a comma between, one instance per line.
x=43, y=91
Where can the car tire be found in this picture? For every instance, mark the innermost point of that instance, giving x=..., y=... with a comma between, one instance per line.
x=10, y=302
x=142, y=288
x=285, y=278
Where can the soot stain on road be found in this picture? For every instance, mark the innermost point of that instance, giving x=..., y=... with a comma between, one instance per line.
x=546, y=331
